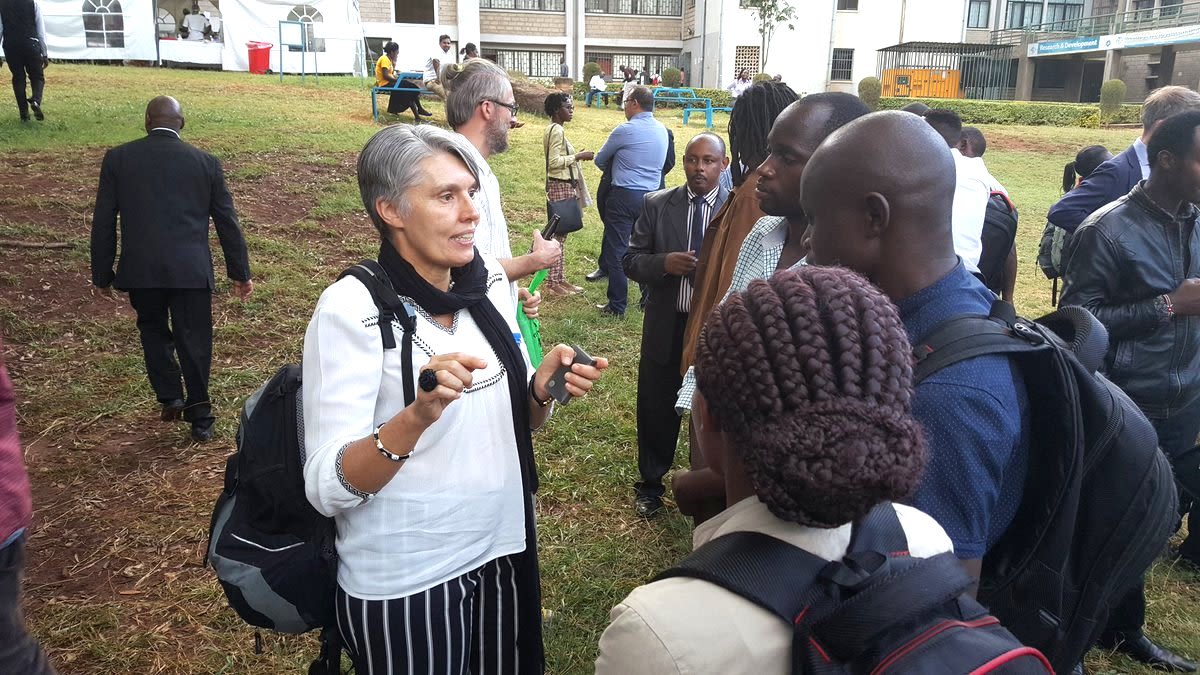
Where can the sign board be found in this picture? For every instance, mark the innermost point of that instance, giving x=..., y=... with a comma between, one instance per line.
x=1161, y=36
x=291, y=34
x=1070, y=46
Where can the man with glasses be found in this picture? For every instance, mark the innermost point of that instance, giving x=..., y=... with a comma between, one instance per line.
x=480, y=106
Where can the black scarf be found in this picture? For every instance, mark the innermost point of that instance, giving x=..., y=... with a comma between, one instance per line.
x=469, y=291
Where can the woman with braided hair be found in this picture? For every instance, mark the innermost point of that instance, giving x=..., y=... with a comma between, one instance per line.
x=804, y=407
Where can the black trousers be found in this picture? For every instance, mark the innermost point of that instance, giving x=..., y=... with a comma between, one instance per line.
x=176, y=329
x=657, y=422
x=19, y=653
x=25, y=60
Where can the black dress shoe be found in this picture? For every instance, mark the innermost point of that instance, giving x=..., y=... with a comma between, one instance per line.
x=202, y=432
x=37, y=110
x=1143, y=650
x=607, y=310
x=25, y=118
x=172, y=410
x=597, y=275
x=648, y=507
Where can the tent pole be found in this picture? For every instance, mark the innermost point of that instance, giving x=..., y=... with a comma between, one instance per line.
x=157, y=49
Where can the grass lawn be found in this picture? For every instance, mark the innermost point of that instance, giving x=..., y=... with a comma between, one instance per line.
x=122, y=501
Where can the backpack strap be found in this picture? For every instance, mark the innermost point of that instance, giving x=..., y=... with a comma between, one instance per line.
x=390, y=306
x=968, y=336
x=767, y=571
x=880, y=530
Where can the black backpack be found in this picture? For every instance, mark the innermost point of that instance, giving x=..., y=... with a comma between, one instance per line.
x=999, y=233
x=878, y=610
x=1099, y=501
x=1051, y=253
x=272, y=551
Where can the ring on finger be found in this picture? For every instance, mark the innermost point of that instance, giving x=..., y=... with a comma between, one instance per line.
x=428, y=380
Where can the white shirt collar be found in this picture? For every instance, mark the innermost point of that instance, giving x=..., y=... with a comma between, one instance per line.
x=166, y=129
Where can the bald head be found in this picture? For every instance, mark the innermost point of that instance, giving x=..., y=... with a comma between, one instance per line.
x=717, y=143
x=878, y=193
x=164, y=111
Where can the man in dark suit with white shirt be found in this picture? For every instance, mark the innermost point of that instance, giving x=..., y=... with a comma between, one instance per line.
x=662, y=255
x=164, y=191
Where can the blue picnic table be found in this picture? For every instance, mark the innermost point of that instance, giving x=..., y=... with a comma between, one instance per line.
x=686, y=97
x=399, y=86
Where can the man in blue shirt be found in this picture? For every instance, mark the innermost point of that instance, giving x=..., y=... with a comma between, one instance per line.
x=878, y=194
x=633, y=154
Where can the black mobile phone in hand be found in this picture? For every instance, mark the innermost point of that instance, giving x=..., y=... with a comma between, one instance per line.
x=551, y=227
x=557, y=386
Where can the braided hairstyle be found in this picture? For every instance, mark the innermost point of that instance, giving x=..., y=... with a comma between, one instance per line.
x=810, y=372
x=754, y=113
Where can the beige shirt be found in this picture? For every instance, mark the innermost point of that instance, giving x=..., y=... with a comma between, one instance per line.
x=689, y=626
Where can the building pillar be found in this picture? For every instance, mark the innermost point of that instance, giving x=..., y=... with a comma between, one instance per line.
x=1166, y=66
x=1112, y=65
x=468, y=24
x=1074, y=85
x=1025, y=68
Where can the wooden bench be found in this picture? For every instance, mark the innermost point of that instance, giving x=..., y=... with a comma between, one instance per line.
x=604, y=96
x=708, y=114
x=398, y=87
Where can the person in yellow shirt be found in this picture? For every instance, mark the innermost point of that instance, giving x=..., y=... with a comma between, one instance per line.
x=385, y=76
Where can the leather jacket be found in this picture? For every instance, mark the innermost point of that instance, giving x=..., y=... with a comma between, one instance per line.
x=1123, y=259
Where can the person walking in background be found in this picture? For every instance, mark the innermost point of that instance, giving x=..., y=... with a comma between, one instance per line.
x=563, y=69
x=19, y=653
x=1116, y=177
x=433, y=495
x=629, y=76
x=385, y=76
x=741, y=83
x=23, y=34
x=662, y=255
x=434, y=64
x=803, y=448
x=1135, y=265
x=164, y=191
x=469, y=52
x=564, y=179
x=633, y=155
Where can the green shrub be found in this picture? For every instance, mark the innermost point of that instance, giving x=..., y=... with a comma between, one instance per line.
x=721, y=98
x=1023, y=112
x=671, y=77
x=1112, y=95
x=869, y=90
x=760, y=77
x=590, y=69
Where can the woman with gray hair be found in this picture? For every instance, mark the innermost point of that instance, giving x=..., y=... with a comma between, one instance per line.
x=433, y=500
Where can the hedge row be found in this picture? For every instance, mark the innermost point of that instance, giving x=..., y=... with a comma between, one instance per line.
x=1023, y=112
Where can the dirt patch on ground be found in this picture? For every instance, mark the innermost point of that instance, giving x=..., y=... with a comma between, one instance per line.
x=1015, y=143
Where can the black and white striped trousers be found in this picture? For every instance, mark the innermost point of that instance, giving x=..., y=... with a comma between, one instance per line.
x=466, y=625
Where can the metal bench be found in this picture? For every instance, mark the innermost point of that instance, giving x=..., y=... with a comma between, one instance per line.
x=708, y=114
x=401, y=77
x=604, y=96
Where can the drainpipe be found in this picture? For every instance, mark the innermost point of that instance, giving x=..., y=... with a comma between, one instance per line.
x=903, y=15
x=703, y=44
x=720, y=47
x=829, y=52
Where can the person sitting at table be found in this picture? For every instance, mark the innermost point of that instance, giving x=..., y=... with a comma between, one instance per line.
x=595, y=86
x=409, y=98
x=196, y=24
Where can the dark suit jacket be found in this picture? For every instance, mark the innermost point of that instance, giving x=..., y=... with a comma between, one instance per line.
x=1108, y=183
x=660, y=229
x=164, y=192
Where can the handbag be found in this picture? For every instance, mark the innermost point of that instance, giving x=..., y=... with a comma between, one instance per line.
x=569, y=211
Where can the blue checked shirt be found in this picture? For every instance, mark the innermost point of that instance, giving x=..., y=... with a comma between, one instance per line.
x=757, y=259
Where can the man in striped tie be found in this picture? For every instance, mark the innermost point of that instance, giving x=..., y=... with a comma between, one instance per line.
x=662, y=255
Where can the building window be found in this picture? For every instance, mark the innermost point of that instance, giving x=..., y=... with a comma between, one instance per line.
x=847, y=5
x=1022, y=14
x=539, y=5
x=745, y=57
x=529, y=63
x=166, y=23
x=414, y=11
x=635, y=7
x=842, y=66
x=610, y=62
x=103, y=24
x=309, y=15
x=1051, y=74
x=979, y=13
x=1170, y=8
x=1069, y=10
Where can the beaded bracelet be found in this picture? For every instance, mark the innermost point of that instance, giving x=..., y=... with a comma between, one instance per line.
x=384, y=451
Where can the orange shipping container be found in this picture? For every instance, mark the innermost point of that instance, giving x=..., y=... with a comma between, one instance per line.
x=921, y=83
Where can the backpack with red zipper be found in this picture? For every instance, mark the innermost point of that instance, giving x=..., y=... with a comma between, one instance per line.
x=998, y=234
x=878, y=610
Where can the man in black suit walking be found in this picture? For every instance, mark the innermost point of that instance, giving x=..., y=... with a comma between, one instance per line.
x=662, y=255
x=164, y=191
x=23, y=34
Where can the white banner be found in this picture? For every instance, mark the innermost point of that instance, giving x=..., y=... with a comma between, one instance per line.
x=122, y=30
x=258, y=21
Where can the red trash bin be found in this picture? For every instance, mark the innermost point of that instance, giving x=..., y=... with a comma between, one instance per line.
x=260, y=56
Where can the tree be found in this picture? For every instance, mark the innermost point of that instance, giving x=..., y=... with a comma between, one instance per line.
x=770, y=14
x=1112, y=95
x=869, y=90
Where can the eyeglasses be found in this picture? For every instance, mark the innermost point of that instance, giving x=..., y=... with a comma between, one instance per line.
x=512, y=107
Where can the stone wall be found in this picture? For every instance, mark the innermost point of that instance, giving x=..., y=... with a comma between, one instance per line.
x=448, y=12
x=549, y=24
x=642, y=28
x=375, y=10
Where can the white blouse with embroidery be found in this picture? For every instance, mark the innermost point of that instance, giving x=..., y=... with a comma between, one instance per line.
x=454, y=506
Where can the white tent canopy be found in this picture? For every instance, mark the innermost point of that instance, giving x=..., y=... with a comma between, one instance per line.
x=100, y=29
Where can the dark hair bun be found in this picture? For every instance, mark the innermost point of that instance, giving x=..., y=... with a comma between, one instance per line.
x=811, y=373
